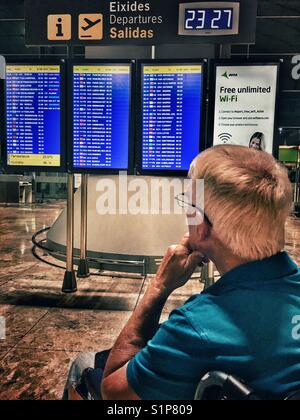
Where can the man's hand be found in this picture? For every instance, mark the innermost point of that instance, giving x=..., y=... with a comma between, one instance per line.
x=177, y=266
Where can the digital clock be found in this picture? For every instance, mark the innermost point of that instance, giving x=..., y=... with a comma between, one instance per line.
x=209, y=18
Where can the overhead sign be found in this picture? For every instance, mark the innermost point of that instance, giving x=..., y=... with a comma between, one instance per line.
x=139, y=22
x=245, y=102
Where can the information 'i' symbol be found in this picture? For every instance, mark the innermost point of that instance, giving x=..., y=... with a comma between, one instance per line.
x=59, y=27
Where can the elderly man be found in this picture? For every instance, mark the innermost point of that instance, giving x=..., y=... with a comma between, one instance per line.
x=242, y=325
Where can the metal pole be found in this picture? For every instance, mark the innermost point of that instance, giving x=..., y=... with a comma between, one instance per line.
x=34, y=189
x=210, y=280
x=70, y=283
x=83, y=267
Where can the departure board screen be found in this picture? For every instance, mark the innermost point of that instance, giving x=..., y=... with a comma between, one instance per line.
x=171, y=112
x=101, y=116
x=33, y=121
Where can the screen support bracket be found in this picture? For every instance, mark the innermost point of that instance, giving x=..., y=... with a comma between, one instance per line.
x=2, y=68
x=83, y=267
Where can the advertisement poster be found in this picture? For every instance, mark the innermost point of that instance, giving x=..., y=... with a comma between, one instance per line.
x=245, y=104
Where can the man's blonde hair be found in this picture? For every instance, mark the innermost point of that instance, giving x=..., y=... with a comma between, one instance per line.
x=248, y=198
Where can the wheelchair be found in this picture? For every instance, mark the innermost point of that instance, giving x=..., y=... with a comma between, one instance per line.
x=219, y=386
x=214, y=386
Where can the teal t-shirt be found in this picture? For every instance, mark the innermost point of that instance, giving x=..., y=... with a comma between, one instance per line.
x=247, y=324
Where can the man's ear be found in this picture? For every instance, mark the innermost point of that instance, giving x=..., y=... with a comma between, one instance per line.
x=203, y=231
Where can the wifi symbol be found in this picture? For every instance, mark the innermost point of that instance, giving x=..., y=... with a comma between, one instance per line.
x=225, y=137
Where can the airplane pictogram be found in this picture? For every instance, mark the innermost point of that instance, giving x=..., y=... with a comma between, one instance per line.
x=90, y=26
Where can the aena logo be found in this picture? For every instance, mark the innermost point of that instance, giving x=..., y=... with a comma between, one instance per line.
x=227, y=76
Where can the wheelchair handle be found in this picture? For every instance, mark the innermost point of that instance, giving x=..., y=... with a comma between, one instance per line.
x=230, y=387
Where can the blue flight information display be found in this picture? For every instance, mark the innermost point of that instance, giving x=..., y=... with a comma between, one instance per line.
x=101, y=116
x=33, y=105
x=172, y=101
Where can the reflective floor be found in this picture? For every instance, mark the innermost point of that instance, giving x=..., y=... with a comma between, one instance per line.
x=45, y=329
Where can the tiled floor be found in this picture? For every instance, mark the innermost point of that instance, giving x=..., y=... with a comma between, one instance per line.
x=46, y=329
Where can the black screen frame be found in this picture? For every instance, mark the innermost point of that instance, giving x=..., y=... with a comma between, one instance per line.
x=63, y=147
x=101, y=171
x=139, y=119
x=246, y=62
x=2, y=122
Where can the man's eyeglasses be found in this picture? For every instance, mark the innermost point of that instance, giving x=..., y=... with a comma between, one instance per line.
x=182, y=200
